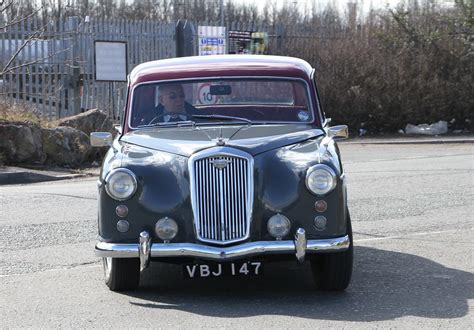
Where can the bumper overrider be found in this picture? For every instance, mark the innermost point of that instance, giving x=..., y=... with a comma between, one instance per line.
x=145, y=250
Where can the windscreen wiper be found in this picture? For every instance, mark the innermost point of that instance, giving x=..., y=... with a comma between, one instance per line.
x=183, y=123
x=224, y=117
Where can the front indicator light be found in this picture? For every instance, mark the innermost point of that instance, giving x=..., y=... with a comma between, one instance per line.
x=320, y=206
x=121, y=211
x=320, y=222
x=123, y=226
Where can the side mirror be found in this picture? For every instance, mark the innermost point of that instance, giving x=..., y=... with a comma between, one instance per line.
x=101, y=139
x=118, y=128
x=338, y=132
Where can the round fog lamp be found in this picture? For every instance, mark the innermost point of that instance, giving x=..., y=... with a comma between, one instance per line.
x=166, y=229
x=278, y=226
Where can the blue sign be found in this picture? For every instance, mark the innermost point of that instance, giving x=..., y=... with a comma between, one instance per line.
x=212, y=41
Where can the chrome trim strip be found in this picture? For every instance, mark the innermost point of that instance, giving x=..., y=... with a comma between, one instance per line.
x=244, y=166
x=164, y=250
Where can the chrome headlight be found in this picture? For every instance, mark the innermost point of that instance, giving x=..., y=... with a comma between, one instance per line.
x=320, y=179
x=120, y=184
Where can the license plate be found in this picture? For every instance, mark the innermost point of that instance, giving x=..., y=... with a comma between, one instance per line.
x=246, y=268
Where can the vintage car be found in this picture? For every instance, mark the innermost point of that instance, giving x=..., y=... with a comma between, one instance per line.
x=222, y=164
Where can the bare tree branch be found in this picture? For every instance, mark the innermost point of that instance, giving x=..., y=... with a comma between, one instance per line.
x=2, y=9
x=13, y=68
x=18, y=51
x=22, y=19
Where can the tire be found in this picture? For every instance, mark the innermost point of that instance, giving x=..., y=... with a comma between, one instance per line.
x=121, y=274
x=333, y=271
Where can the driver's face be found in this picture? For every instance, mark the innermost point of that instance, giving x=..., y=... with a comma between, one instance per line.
x=172, y=98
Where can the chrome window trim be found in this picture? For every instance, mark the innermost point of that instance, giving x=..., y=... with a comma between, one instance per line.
x=216, y=152
x=314, y=110
x=318, y=99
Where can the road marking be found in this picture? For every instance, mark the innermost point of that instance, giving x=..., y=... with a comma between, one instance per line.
x=378, y=160
x=408, y=235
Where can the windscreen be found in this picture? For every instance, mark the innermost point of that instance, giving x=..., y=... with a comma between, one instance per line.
x=225, y=100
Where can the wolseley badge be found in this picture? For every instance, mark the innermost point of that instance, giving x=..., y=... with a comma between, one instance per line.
x=220, y=163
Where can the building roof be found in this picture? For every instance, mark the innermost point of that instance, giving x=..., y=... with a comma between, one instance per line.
x=220, y=65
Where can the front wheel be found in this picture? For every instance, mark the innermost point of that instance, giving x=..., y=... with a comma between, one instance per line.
x=121, y=273
x=333, y=271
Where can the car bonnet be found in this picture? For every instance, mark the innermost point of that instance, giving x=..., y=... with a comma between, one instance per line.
x=254, y=139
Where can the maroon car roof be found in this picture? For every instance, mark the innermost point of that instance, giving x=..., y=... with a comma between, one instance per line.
x=220, y=65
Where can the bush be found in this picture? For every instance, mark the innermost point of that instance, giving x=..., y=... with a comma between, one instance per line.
x=22, y=113
x=392, y=67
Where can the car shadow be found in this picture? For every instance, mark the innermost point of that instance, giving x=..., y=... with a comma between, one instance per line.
x=385, y=285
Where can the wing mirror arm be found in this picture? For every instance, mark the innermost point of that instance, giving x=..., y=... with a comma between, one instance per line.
x=326, y=122
x=118, y=128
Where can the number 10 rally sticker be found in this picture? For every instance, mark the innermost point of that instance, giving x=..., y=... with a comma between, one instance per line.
x=204, y=94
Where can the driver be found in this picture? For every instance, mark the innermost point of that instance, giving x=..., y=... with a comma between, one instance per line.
x=172, y=99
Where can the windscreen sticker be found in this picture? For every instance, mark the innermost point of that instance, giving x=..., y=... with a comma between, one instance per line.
x=303, y=116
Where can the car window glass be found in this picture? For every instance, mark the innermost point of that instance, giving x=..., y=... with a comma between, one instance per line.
x=258, y=100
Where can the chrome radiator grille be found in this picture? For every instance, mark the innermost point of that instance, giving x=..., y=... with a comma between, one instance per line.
x=222, y=196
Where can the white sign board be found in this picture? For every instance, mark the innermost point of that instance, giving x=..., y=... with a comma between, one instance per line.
x=212, y=40
x=110, y=60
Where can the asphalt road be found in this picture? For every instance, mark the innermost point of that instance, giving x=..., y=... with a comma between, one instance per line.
x=412, y=208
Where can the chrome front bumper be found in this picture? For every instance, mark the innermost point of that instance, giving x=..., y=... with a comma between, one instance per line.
x=146, y=250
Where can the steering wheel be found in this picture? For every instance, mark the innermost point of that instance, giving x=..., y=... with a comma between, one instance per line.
x=156, y=119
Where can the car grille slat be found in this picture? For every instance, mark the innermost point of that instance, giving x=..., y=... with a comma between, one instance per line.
x=238, y=190
x=225, y=209
x=221, y=198
x=205, y=175
x=232, y=216
x=213, y=183
x=242, y=193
